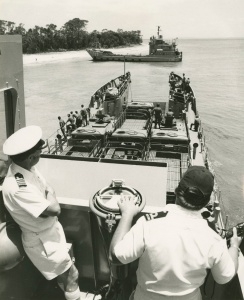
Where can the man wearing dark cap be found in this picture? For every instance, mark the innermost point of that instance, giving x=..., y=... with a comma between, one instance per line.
x=33, y=205
x=175, y=247
x=157, y=112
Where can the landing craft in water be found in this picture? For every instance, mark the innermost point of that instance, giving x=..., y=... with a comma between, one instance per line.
x=159, y=51
x=89, y=167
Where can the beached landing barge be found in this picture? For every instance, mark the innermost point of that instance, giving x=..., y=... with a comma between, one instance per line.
x=159, y=51
x=117, y=151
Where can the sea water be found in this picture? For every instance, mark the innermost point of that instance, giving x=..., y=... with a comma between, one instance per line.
x=57, y=83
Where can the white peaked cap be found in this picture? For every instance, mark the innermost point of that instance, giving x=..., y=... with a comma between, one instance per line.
x=22, y=140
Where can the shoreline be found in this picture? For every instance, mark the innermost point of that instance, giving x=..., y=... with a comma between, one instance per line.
x=49, y=57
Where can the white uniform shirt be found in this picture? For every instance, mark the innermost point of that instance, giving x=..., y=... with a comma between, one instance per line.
x=25, y=199
x=43, y=237
x=174, y=253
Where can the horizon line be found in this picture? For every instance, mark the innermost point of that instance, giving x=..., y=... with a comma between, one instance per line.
x=201, y=38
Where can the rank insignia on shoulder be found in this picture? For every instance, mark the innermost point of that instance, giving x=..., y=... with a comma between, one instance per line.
x=160, y=214
x=20, y=180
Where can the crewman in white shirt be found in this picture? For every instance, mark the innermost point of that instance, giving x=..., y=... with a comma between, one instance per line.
x=32, y=203
x=176, y=247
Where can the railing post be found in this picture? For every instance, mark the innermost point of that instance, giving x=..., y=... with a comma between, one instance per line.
x=56, y=146
x=48, y=146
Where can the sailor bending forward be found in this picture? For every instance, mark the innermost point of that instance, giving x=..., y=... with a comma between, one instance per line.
x=33, y=205
x=175, y=248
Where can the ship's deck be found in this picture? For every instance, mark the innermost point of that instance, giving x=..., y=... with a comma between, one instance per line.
x=168, y=146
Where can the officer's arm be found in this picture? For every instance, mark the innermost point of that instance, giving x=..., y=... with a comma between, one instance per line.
x=225, y=269
x=54, y=208
x=123, y=227
x=235, y=242
x=128, y=210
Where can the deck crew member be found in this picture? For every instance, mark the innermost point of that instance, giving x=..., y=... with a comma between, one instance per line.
x=79, y=121
x=187, y=85
x=175, y=248
x=73, y=115
x=157, y=111
x=169, y=118
x=72, y=121
x=183, y=83
x=32, y=203
x=88, y=113
x=83, y=113
x=62, y=126
x=196, y=123
x=172, y=81
x=97, y=100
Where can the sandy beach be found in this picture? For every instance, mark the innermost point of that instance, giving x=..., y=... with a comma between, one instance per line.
x=39, y=58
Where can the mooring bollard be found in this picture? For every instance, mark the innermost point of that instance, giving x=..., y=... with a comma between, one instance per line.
x=195, y=145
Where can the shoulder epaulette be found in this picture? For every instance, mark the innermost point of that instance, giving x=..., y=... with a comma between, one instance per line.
x=20, y=180
x=160, y=214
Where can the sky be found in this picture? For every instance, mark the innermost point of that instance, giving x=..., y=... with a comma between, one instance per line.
x=177, y=18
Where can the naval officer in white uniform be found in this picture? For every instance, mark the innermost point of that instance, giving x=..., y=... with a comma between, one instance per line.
x=175, y=247
x=32, y=203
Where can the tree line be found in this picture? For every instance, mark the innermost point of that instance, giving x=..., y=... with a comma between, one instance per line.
x=71, y=36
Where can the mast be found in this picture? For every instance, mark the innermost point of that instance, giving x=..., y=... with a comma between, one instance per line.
x=158, y=30
x=124, y=65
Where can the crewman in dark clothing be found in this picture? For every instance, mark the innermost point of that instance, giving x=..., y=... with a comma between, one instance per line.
x=172, y=80
x=169, y=118
x=157, y=111
x=83, y=113
x=79, y=121
x=196, y=123
x=173, y=84
x=183, y=84
x=187, y=85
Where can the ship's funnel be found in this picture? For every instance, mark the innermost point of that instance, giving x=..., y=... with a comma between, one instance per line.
x=195, y=145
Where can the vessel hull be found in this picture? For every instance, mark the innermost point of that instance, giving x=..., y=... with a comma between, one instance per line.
x=98, y=55
x=138, y=58
x=135, y=58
